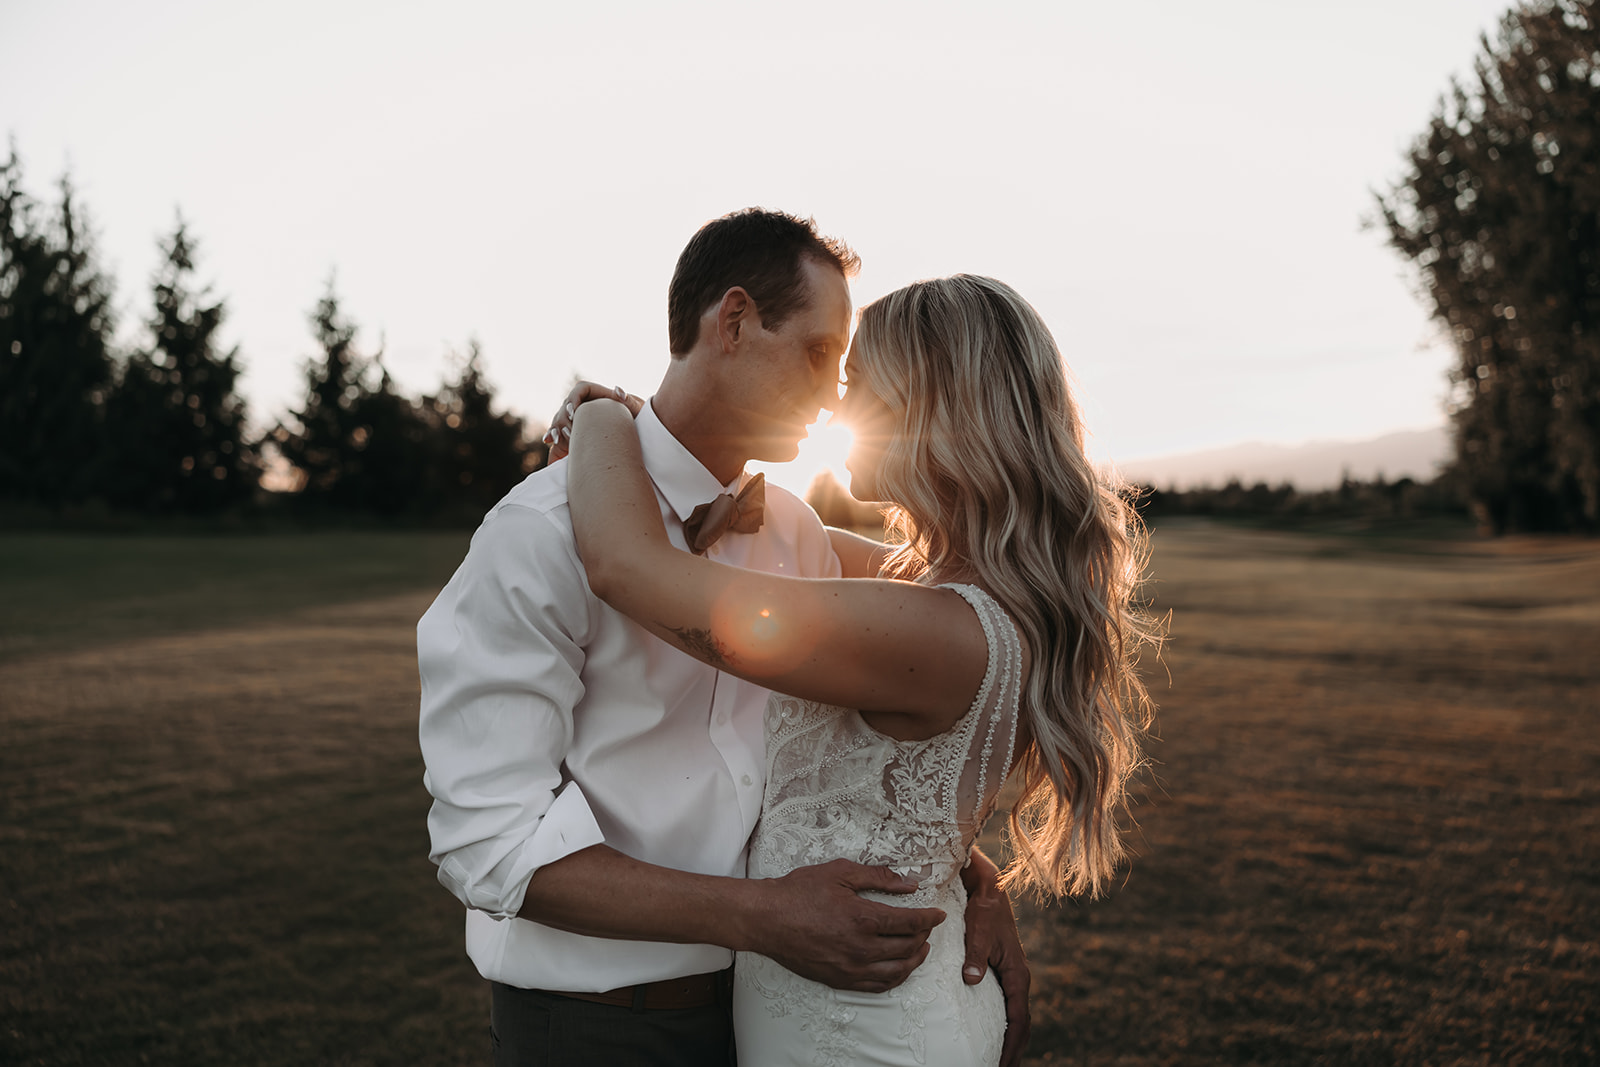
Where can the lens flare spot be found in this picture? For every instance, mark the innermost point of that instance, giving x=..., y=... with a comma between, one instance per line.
x=764, y=636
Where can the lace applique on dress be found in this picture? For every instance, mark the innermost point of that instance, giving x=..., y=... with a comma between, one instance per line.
x=821, y=1016
x=836, y=788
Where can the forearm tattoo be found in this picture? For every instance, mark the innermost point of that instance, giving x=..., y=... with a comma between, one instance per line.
x=700, y=643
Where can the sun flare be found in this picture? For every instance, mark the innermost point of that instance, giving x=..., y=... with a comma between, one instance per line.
x=825, y=447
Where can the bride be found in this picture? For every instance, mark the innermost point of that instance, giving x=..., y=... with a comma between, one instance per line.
x=1001, y=638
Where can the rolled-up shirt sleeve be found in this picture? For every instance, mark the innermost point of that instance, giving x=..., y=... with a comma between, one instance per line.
x=500, y=657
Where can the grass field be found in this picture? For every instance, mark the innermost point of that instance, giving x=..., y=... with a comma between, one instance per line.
x=1370, y=834
x=66, y=590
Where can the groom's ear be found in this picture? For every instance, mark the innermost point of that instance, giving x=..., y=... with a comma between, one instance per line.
x=735, y=315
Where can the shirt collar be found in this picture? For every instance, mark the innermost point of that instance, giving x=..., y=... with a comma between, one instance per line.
x=680, y=478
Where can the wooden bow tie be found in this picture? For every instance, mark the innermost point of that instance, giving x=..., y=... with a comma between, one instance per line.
x=742, y=514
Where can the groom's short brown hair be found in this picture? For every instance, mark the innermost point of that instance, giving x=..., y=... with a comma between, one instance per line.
x=758, y=250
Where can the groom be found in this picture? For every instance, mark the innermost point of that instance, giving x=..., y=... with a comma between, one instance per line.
x=595, y=789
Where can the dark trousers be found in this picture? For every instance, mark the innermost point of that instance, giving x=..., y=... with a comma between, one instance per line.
x=532, y=1028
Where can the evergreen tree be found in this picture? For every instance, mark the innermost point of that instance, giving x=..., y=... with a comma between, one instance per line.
x=320, y=445
x=55, y=361
x=1500, y=211
x=479, y=455
x=388, y=474
x=176, y=421
x=358, y=446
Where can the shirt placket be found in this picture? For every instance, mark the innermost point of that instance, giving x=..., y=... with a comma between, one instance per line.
x=739, y=753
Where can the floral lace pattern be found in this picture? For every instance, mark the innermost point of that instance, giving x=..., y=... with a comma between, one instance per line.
x=836, y=788
x=817, y=1008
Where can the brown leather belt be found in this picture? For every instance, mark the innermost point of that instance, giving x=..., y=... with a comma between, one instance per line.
x=692, y=991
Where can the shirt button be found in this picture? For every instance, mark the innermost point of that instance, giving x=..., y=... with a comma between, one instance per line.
x=746, y=780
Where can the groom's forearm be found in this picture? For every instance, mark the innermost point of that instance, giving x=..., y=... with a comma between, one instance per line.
x=599, y=892
x=812, y=920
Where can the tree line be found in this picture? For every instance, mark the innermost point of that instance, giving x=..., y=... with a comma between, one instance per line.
x=1498, y=211
x=1376, y=502
x=160, y=428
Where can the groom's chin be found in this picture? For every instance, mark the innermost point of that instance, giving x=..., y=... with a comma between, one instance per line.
x=777, y=450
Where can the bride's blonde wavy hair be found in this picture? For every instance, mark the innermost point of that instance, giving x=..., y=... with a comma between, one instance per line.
x=989, y=479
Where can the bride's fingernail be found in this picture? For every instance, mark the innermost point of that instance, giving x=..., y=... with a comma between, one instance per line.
x=571, y=411
x=974, y=971
x=622, y=394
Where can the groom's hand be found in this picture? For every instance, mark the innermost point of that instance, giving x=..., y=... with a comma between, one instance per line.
x=992, y=940
x=812, y=922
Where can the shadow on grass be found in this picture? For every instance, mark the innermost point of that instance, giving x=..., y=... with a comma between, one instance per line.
x=67, y=590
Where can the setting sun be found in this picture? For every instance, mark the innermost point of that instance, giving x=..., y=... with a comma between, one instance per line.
x=825, y=447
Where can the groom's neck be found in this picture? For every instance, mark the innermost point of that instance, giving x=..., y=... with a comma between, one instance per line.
x=701, y=424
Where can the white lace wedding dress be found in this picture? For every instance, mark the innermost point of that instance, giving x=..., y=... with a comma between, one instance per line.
x=836, y=788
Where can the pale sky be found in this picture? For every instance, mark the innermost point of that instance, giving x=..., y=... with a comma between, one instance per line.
x=1176, y=185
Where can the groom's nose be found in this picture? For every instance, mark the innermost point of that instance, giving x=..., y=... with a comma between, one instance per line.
x=825, y=387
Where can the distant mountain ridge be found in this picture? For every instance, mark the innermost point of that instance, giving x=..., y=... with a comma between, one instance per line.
x=1414, y=454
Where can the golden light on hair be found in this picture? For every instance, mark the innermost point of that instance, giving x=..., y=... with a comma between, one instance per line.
x=987, y=470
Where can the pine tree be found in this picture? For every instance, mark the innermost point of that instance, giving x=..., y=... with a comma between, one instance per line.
x=358, y=446
x=389, y=471
x=479, y=455
x=318, y=446
x=176, y=419
x=55, y=360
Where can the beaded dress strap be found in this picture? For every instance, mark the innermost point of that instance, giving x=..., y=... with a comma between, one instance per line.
x=1001, y=690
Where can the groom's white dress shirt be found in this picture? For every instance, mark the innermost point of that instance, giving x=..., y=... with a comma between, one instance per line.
x=551, y=722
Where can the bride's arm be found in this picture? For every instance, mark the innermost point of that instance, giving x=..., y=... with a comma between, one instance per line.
x=859, y=557
x=874, y=645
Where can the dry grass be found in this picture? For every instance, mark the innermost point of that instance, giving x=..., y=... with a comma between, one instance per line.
x=1371, y=832
x=1371, y=837
x=216, y=853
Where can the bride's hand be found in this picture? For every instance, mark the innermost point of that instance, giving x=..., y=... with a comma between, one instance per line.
x=559, y=436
